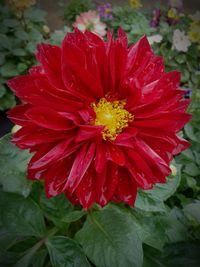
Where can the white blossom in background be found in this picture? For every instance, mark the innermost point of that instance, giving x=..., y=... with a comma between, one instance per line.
x=180, y=41
x=15, y=128
x=173, y=169
x=157, y=38
x=196, y=16
x=176, y=4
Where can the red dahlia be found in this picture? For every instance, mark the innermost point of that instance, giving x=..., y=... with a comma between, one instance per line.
x=100, y=117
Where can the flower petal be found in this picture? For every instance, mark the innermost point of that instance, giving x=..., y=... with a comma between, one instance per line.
x=80, y=166
x=48, y=118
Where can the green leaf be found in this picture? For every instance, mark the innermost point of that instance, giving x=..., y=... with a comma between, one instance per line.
x=152, y=258
x=22, y=67
x=182, y=255
x=180, y=58
x=22, y=35
x=31, y=47
x=185, y=76
x=175, y=255
x=176, y=229
x=2, y=90
x=13, y=164
x=2, y=58
x=193, y=210
x=109, y=239
x=197, y=157
x=150, y=228
x=189, y=132
x=65, y=252
x=9, y=69
x=19, y=52
x=21, y=216
x=188, y=154
x=73, y=216
x=152, y=200
x=192, y=169
x=35, y=15
x=58, y=35
x=164, y=191
x=39, y=258
x=26, y=259
x=6, y=239
x=55, y=208
x=11, y=23
x=35, y=35
x=7, y=101
x=146, y=202
x=8, y=258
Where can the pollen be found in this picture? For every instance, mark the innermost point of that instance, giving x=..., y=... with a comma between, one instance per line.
x=113, y=116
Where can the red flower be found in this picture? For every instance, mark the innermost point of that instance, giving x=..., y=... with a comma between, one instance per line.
x=100, y=117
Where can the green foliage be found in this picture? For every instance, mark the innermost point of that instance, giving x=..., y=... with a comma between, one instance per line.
x=35, y=231
x=13, y=164
x=110, y=239
x=21, y=216
x=134, y=23
x=58, y=35
x=153, y=200
x=65, y=252
x=19, y=33
x=175, y=255
x=74, y=8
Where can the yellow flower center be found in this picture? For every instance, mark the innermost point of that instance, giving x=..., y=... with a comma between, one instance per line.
x=108, y=10
x=113, y=116
x=172, y=13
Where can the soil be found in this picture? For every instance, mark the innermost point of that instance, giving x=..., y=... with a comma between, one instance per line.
x=5, y=124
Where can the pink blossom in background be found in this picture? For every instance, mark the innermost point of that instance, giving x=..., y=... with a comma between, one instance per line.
x=90, y=21
x=156, y=14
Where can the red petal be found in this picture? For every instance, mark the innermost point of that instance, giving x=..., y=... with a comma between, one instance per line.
x=112, y=180
x=81, y=164
x=122, y=37
x=127, y=188
x=86, y=189
x=48, y=118
x=38, y=91
x=77, y=71
x=31, y=135
x=39, y=154
x=17, y=114
x=141, y=180
x=115, y=154
x=51, y=156
x=50, y=58
x=169, y=122
x=182, y=144
x=100, y=181
x=56, y=176
x=137, y=53
x=157, y=163
x=137, y=160
x=100, y=158
x=87, y=132
x=36, y=71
